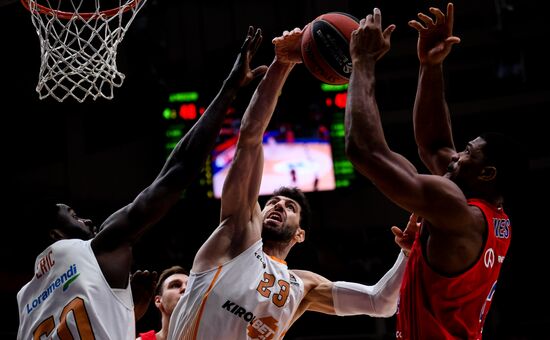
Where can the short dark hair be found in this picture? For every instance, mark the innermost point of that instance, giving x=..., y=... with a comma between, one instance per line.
x=46, y=213
x=508, y=157
x=169, y=272
x=298, y=196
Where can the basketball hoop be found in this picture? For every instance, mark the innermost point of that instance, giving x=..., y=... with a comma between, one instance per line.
x=78, y=46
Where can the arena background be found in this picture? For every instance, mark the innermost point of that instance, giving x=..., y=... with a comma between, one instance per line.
x=98, y=155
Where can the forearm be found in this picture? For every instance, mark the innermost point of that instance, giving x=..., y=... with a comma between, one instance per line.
x=194, y=147
x=263, y=102
x=190, y=153
x=364, y=133
x=431, y=116
x=379, y=300
x=242, y=184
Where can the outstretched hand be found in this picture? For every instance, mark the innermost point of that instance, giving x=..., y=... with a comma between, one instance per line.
x=368, y=40
x=288, y=47
x=241, y=72
x=405, y=238
x=143, y=285
x=435, y=38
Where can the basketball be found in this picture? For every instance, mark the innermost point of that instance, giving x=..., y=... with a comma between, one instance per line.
x=325, y=47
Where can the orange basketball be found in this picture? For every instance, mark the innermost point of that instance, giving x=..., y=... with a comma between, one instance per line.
x=325, y=47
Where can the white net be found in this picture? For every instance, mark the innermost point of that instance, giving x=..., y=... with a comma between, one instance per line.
x=78, y=44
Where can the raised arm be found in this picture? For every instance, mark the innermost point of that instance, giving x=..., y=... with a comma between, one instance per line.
x=241, y=223
x=241, y=188
x=113, y=244
x=366, y=146
x=432, y=197
x=432, y=122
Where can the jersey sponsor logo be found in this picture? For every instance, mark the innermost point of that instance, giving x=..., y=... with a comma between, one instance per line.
x=263, y=328
x=259, y=328
x=501, y=227
x=64, y=280
x=489, y=258
x=44, y=265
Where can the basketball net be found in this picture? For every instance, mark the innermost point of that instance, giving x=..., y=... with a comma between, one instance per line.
x=78, y=46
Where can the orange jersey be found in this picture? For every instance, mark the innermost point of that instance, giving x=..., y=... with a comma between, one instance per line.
x=433, y=306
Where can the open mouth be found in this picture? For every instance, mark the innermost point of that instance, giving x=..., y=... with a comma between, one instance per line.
x=275, y=216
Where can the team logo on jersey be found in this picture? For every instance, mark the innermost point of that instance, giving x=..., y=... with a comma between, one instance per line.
x=398, y=303
x=501, y=227
x=64, y=280
x=259, y=328
x=260, y=257
x=487, y=302
x=489, y=258
x=293, y=280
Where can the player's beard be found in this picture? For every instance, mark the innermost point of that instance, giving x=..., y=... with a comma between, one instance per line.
x=277, y=234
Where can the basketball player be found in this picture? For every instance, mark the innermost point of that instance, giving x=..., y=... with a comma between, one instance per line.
x=81, y=281
x=240, y=286
x=457, y=255
x=170, y=287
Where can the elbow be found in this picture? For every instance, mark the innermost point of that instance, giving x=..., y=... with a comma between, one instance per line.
x=388, y=310
x=365, y=159
x=425, y=154
x=353, y=151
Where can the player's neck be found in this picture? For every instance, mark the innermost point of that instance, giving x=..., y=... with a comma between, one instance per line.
x=277, y=249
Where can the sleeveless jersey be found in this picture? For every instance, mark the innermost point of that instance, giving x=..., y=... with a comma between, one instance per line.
x=69, y=298
x=253, y=296
x=433, y=306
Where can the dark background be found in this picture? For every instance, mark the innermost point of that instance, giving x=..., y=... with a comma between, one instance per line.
x=98, y=156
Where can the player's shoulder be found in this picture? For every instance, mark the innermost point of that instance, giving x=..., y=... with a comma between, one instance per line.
x=308, y=277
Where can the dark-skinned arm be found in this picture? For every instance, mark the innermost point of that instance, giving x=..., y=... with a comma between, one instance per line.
x=426, y=195
x=431, y=116
x=113, y=244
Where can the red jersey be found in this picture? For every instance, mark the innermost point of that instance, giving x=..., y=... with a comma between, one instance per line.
x=150, y=335
x=432, y=306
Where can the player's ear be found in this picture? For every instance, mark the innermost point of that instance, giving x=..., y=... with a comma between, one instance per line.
x=56, y=235
x=157, y=300
x=300, y=235
x=488, y=173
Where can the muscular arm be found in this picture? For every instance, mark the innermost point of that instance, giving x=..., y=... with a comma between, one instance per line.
x=241, y=188
x=453, y=226
x=432, y=197
x=240, y=218
x=348, y=298
x=432, y=121
x=366, y=146
x=113, y=245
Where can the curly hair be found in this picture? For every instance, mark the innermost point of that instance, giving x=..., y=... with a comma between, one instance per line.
x=298, y=196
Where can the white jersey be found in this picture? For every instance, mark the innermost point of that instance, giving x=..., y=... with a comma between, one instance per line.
x=253, y=296
x=69, y=298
